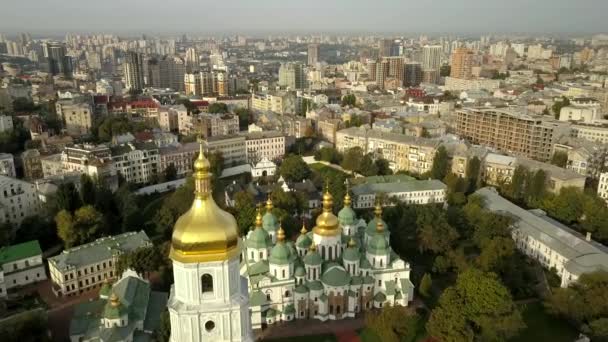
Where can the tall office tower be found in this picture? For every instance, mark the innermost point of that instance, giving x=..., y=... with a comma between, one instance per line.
x=462, y=63
x=172, y=70
x=192, y=60
x=291, y=75
x=313, y=54
x=395, y=68
x=431, y=61
x=412, y=74
x=134, y=71
x=58, y=62
x=384, y=47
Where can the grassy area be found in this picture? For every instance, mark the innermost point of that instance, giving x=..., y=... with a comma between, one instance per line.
x=543, y=327
x=325, y=170
x=315, y=338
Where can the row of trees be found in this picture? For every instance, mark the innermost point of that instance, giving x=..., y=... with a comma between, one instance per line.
x=365, y=164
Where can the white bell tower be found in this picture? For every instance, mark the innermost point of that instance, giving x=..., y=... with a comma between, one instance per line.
x=209, y=299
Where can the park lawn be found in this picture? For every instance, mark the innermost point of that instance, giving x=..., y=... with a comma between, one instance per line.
x=306, y=338
x=325, y=171
x=543, y=327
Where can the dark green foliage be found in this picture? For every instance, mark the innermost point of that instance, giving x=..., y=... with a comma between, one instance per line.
x=352, y=159
x=87, y=190
x=245, y=117
x=14, y=141
x=170, y=173
x=558, y=105
x=218, y=107
x=294, y=169
x=142, y=260
x=349, y=100
x=440, y=164
x=245, y=215
x=328, y=154
x=560, y=159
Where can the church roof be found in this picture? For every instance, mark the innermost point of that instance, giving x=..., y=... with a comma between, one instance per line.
x=336, y=276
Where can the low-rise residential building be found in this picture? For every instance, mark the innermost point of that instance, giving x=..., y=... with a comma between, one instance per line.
x=93, y=160
x=602, y=187
x=231, y=147
x=583, y=157
x=7, y=165
x=296, y=126
x=87, y=266
x=6, y=123
x=20, y=265
x=553, y=244
x=32, y=166
x=77, y=116
x=138, y=163
x=18, y=200
x=458, y=84
x=327, y=128
x=586, y=110
x=498, y=170
x=213, y=125
x=180, y=156
x=268, y=144
x=403, y=152
x=127, y=310
x=597, y=133
x=398, y=187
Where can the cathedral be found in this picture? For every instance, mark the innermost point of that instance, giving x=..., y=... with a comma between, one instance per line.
x=341, y=267
x=226, y=286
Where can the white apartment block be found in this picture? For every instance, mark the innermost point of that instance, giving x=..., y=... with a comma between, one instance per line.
x=597, y=133
x=460, y=84
x=231, y=147
x=20, y=265
x=586, y=110
x=410, y=192
x=87, y=266
x=137, y=163
x=18, y=200
x=78, y=117
x=181, y=157
x=6, y=123
x=553, y=244
x=602, y=187
x=259, y=145
x=7, y=165
x=402, y=152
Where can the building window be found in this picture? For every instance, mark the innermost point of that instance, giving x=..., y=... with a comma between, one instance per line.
x=209, y=326
x=207, y=283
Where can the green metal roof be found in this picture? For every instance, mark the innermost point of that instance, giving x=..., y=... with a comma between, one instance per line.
x=351, y=254
x=371, y=227
x=259, y=267
x=313, y=258
x=347, y=216
x=302, y=289
x=257, y=298
x=100, y=249
x=356, y=280
x=336, y=276
x=378, y=245
x=19, y=252
x=315, y=285
x=258, y=239
x=390, y=287
x=289, y=309
x=269, y=222
x=379, y=297
x=271, y=312
x=280, y=254
x=303, y=241
x=368, y=280
x=300, y=272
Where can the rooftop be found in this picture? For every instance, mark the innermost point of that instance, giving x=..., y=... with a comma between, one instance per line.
x=19, y=252
x=395, y=187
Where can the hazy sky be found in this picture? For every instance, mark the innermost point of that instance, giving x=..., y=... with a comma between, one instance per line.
x=541, y=16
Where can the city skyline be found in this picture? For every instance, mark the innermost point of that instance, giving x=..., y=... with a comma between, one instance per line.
x=460, y=16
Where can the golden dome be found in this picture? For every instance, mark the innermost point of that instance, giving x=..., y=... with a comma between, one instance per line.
x=258, y=218
x=380, y=226
x=303, y=231
x=378, y=210
x=114, y=300
x=280, y=234
x=269, y=205
x=352, y=242
x=327, y=222
x=347, y=199
x=205, y=232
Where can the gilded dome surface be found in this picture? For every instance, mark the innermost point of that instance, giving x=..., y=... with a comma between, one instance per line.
x=327, y=222
x=205, y=232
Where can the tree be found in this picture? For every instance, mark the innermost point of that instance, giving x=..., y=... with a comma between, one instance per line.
x=558, y=105
x=170, y=173
x=246, y=213
x=535, y=189
x=352, y=159
x=434, y=232
x=518, y=183
x=218, y=107
x=425, y=285
x=440, y=164
x=393, y=324
x=349, y=100
x=67, y=197
x=495, y=253
x=143, y=260
x=367, y=167
x=383, y=167
x=163, y=332
x=584, y=303
x=128, y=209
x=328, y=154
x=79, y=228
x=595, y=217
x=294, y=169
x=87, y=190
x=566, y=206
x=6, y=234
x=478, y=306
x=559, y=158
x=244, y=115
x=472, y=174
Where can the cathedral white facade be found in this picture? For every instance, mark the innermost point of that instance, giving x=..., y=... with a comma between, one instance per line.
x=339, y=269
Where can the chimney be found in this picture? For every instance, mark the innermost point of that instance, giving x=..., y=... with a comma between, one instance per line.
x=588, y=238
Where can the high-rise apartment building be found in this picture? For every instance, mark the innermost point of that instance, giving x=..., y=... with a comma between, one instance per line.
x=172, y=70
x=57, y=59
x=412, y=74
x=313, y=54
x=291, y=75
x=134, y=71
x=517, y=133
x=462, y=63
x=384, y=47
x=431, y=60
x=192, y=60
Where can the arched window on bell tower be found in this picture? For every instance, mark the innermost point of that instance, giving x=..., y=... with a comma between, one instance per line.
x=206, y=283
